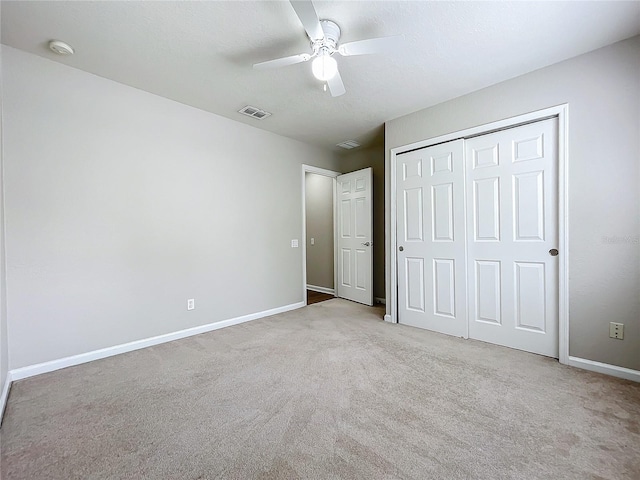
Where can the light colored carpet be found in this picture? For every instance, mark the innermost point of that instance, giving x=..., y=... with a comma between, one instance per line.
x=328, y=391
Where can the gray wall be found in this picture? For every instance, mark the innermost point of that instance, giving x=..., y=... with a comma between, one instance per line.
x=4, y=347
x=121, y=205
x=602, y=89
x=319, y=217
x=357, y=160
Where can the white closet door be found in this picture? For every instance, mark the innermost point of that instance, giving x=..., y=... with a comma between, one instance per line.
x=355, y=238
x=431, y=238
x=512, y=205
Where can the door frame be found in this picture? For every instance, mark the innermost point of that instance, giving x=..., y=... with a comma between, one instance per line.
x=561, y=112
x=325, y=173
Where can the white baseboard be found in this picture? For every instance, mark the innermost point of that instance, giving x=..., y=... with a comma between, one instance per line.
x=381, y=300
x=605, y=368
x=5, y=395
x=31, y=370
x=315, y=288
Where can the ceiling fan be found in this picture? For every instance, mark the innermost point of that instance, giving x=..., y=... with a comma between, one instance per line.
x=325, y=36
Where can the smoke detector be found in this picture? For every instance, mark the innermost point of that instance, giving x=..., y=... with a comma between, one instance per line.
x=61, y=48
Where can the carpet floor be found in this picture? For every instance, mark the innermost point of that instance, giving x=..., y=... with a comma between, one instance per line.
x=326, y=391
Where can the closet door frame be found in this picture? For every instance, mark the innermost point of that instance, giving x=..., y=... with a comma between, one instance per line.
x=561, y=112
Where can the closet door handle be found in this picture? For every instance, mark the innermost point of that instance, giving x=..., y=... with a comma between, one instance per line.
x=401, y=248
x=367, y=244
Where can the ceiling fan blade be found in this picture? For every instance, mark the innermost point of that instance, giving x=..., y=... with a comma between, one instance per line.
x=336, y=87
x=372, y=45
x=308, y=17
x=282, y=62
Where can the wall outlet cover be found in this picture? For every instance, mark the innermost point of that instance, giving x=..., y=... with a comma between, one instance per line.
x=616, y=330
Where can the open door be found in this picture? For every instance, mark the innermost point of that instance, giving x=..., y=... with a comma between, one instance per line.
x=355, y=236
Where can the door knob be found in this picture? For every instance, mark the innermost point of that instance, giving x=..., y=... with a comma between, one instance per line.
x=367, y=244
x=553, y=252
x=401, y=248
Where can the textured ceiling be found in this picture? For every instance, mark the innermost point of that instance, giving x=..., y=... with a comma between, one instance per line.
x=201, y=53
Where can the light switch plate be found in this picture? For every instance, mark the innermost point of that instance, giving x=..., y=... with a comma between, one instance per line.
x=313, y=241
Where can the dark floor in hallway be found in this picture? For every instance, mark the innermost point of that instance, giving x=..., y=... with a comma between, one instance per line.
x=316, y=297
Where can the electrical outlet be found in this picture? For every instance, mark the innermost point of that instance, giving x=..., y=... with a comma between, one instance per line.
x=191, y=304
x=294, y=243
x=616, y=330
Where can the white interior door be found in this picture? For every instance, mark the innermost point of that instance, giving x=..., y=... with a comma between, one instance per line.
x=431, y=238
x=355, y=236
x=512, y=218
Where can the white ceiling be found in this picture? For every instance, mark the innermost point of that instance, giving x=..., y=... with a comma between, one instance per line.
x=201, y=53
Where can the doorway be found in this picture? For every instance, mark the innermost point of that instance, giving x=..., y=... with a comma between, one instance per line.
x=337, y=236
x=319, y=238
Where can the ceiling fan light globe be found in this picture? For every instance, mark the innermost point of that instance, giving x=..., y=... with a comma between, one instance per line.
x=324, y=67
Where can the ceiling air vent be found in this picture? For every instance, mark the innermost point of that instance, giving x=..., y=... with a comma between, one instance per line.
x=254, y=112
x=349, y=144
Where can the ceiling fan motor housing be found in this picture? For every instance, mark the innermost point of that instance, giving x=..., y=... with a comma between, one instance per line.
x=331, y=37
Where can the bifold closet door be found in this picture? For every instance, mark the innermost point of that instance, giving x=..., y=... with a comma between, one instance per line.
x=512, y=208
x=431, y=238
